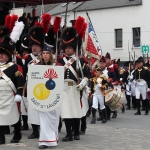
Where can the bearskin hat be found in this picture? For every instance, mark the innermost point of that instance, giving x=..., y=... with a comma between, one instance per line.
x=107, y=56
x=50, y=37
x=25, y=44
x=4, y=31
x=140, y=59
x=7, y=46
x=70, y=38
x=103, y=59
x=36, y=36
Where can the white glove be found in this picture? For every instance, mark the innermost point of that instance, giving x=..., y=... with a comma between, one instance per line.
x=17, y=98
x=148, y=90
x=80, y=86
x=130, y=77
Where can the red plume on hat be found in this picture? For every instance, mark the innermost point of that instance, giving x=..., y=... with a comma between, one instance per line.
x=7, y=20
x=37, y=24
x=14, y=18
x=46, y=18
x=82, y=33
x=79, y=24
x=57, y=22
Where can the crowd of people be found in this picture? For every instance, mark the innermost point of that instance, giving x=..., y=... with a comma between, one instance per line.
x=104, y=88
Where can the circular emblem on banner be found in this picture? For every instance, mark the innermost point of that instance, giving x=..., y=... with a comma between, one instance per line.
x=41, y=92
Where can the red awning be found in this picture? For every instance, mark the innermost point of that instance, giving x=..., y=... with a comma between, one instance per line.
x=39, y=2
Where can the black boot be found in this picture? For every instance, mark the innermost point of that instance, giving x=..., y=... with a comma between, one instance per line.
x=17, y=136
x=138, y=107
x=123, y=108
x=100, y=115
x=35, y=133
x=68, y=124
x=104, y=116
x=2, y=135
x=7, y=130
x=25, y=123
x=143, y=105
x=108, y=112
x=146, y=107
x=134, y=102
x=128, y=102
x=93, y=121
x=114, y=114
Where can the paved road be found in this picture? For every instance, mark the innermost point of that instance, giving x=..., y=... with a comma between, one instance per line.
x=126, y=132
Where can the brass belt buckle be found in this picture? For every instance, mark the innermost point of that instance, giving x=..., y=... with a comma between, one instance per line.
x=70, y=83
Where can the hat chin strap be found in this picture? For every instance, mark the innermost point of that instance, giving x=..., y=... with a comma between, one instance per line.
x=49, y=45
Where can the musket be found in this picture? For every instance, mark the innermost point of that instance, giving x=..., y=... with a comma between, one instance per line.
x=24, y=88
x=129, y=60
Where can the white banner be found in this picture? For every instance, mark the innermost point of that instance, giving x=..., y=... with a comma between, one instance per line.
x=45, y=86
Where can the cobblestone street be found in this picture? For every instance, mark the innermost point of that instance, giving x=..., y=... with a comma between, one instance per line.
x=126, y=132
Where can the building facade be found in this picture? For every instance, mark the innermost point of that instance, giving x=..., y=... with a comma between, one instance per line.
x=120, y=28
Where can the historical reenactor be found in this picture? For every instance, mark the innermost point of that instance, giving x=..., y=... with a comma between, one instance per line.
x=36, y=43
x=112, y=74
x=11, y=81
x=71, y=105
x=127, y=84
x=142, y=78
x=98, y=85
x=49, y=121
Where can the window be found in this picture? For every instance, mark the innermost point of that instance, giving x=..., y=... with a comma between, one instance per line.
x=136, y=37
x=118, y=37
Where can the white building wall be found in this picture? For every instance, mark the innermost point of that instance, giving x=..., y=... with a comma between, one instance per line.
x=17, y=11
x=107, y=20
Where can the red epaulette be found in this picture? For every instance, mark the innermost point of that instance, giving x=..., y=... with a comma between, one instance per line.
x=19, y=68
x=26, y=56
x=19, y=57
x=111, y=69
x=126, y=70
x=116, y=66
x=59, y=57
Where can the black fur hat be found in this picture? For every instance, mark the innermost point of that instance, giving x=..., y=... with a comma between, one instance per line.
x=7, y=46
x=70, y=38
x=25, y=44
x=108, y=56
x=103, y=59
x=4, y=30
x=50, y=37
x=140, y=59
x=36, y=36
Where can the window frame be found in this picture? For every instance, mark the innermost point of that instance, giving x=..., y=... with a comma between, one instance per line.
x=116, y=38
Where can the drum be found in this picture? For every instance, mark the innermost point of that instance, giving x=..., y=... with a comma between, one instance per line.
x=113, y=99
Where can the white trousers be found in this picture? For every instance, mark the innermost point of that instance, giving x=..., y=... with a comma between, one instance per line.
x=98, y=99
x=128, y=89
x=141, y=89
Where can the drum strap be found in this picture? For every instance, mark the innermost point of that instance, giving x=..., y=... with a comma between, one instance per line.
x=6, y=78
